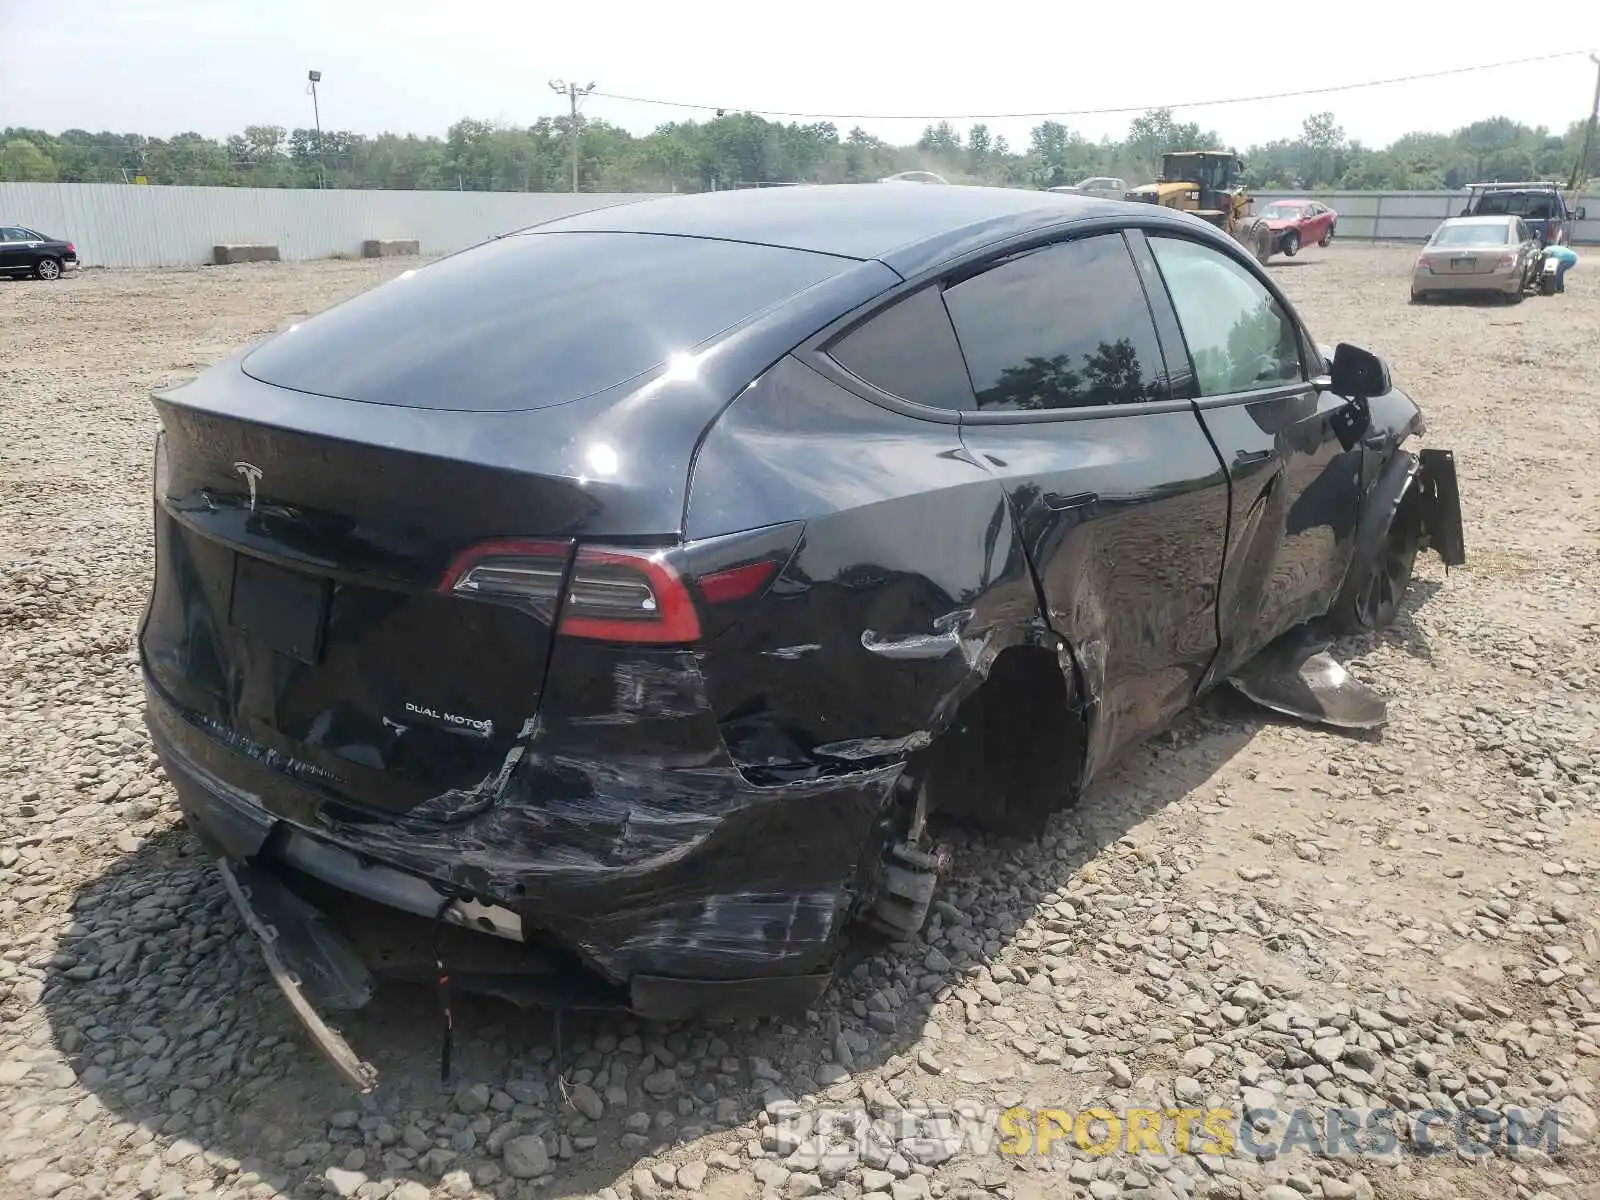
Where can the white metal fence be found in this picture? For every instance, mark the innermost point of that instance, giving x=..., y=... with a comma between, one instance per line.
x=1410, y=216
x=126, y=225
x=122, y=225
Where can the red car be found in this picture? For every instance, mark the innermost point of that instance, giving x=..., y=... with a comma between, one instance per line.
x=1297, y=223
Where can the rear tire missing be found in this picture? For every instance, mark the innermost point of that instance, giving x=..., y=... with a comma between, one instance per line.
x=1014, y=754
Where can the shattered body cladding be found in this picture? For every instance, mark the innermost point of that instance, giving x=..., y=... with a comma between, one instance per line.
x=647, y=642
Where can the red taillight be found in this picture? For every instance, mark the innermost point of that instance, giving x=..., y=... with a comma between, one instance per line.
x=1422, y=264
x=737, y=583
x=71, y=249
x=628, y=596
x=614, y=595
x=517, y=569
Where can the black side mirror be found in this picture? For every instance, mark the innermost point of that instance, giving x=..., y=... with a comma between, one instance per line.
x=1358, y=374
x=1581, y=215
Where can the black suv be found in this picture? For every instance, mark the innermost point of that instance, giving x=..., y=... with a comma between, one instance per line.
x=25, y=251
x=630, y=588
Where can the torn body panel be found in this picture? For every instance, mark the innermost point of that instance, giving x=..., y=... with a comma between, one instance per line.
x=1394, y=418
x=247, y=894
x=1439, y=499
x=1298, y=677
x=1407, y=502
x=1295, y=497
x=908, y=582
x=1124, y=518
x=652, y=862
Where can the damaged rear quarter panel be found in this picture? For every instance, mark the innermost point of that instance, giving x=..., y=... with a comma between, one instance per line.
x=908, y=581
x=623, y=831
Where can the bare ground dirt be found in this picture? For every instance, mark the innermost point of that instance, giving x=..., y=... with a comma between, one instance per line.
x=1247, y=912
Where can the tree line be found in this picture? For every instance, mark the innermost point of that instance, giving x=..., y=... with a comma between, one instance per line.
x=743, y=149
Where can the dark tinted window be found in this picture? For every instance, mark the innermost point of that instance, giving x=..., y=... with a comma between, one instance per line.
x=535, y=319
x=909, y=350
x=1062, y=327
x=1239, y=336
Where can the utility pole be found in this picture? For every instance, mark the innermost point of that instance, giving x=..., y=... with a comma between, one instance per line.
x=1580, y=169
x=322, y=167
x=573, y=93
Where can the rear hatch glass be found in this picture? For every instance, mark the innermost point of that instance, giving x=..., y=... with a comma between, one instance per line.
x=533, y=319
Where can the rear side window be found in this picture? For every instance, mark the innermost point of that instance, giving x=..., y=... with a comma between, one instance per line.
x=1066, y=326
x=909, y=350
x=1239, y=336
x=533, y=320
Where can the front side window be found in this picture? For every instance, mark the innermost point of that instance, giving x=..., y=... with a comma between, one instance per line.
x=1065, y=326
x=1239, y=336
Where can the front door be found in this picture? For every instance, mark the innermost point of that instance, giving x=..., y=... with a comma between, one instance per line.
x=1295, y=488
x=1120, y=499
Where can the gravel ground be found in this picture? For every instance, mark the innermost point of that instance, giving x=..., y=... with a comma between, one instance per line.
x=1249, y=912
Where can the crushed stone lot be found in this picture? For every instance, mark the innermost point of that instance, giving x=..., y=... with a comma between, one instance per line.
x=1248, y=913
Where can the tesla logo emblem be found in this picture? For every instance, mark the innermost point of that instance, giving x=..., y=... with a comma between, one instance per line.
x=251, y=474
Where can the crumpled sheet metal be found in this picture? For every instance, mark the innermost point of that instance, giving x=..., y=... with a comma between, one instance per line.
x=1298, y=677
x=651, y=860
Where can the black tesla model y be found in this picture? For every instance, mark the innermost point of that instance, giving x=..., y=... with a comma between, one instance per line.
x=630, y=590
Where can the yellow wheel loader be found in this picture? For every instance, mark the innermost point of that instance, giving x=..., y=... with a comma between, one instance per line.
x=1209, y=183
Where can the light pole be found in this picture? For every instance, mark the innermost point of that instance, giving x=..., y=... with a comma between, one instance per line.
x=322, y=169
x=572, y=92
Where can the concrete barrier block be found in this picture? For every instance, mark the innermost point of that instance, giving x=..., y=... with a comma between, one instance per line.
x=241, y=252
x=390, y=247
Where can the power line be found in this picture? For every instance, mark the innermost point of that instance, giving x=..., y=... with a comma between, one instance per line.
x=719, y=109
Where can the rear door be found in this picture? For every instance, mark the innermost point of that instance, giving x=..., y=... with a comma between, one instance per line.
x=1120, y=499
x=13, y=248
x=1295, y=488
x=1319, y=218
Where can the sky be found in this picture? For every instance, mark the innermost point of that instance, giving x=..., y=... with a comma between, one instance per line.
x=159, y=67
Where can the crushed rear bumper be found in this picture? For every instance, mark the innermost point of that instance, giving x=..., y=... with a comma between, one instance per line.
x=737, y=907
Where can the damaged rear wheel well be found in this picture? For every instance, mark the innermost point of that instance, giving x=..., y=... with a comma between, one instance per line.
x=1014, y=753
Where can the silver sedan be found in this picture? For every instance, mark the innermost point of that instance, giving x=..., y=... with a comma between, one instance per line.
x=1490, y=255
